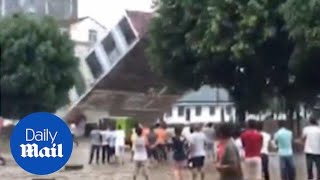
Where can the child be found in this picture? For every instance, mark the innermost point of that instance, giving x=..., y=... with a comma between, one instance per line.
x=179, y=146
x=140, y=155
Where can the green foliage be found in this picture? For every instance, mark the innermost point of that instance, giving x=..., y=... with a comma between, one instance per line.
x=37, y=63
x=251, y=47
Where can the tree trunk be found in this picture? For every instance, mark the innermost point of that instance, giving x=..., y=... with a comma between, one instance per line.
x=298, y=120
x=290, y=116
x=241, y=116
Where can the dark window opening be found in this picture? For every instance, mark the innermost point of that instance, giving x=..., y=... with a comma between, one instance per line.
x=180, y=110
x=95, y=66
x=212, y=110
x=127, y=31
x=109, y=44
x=93, y=36
x=110, y=48
x=79, y=82
x=198, y=110
x=187, y=114
x=229, y=110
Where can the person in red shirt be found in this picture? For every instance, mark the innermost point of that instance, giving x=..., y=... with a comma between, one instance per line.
x=252, y=143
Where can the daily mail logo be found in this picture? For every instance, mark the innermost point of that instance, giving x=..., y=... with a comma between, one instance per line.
x=32, y=150
x=40, y=139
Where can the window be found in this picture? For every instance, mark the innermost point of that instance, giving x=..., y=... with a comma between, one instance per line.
x=93, y=36
x=109, y=44
x=188, y=115
x=110, y=48
x=95, y=66
x=212, y=110
x=59, y=9
x=198, y=110
x=127, y=31
x=229, y=109
x=79, y=82
x=180, y=110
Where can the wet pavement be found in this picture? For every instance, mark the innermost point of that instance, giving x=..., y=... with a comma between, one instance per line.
x=119, y=172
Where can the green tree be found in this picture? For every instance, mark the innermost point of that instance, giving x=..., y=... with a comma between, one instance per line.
x=37, y=65
x=249, y=47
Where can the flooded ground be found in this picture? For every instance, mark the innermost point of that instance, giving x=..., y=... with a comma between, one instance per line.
x=119, y=172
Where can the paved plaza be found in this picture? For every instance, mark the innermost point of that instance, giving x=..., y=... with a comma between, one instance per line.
x=118, y=172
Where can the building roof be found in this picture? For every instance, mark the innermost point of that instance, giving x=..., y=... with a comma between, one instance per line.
x=139, y=20
x=206, y=94
x=90, y=18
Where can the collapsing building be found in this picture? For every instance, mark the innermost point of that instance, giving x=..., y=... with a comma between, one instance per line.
x=124, y=84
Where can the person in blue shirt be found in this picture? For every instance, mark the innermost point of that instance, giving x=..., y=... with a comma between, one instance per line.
x=284, y=138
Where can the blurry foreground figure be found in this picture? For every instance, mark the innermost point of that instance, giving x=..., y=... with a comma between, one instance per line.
x=284, y=138
x=311, y=139
x=228, y=157
x=252, y=142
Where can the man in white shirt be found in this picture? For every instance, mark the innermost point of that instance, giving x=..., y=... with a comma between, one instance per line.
x=311, y=137
x=95, y=144
x=120, y=144
x=197, y=152
x=265, y=150
x=210, y=135
x=111, y=140
x=186, y=132
x=140, y=155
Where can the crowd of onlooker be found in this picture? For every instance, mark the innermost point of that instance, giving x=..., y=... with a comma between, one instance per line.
x=238, y=153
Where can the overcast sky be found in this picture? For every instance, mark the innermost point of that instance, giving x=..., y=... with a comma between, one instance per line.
x=108, y=12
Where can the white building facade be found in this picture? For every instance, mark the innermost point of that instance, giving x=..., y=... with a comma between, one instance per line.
x=85, y=33
x=203, y=106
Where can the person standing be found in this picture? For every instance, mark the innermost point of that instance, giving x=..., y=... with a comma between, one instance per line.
x=73, y=129
x=133, y=139
x=105, y=145
x=228, y=158
x=197, y=152
x=140, y=155
x=161, y=142
x=265, y=151
x=237, y=141
x=283, y=139
x=210, y=134
x=120, y=144
x=311, y=138
x=96, y=140
x=112, y=138
x=179, y=148
x=152, y=140
x=252, y=144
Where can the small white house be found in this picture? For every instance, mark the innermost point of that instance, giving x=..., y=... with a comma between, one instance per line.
x=208, y=104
